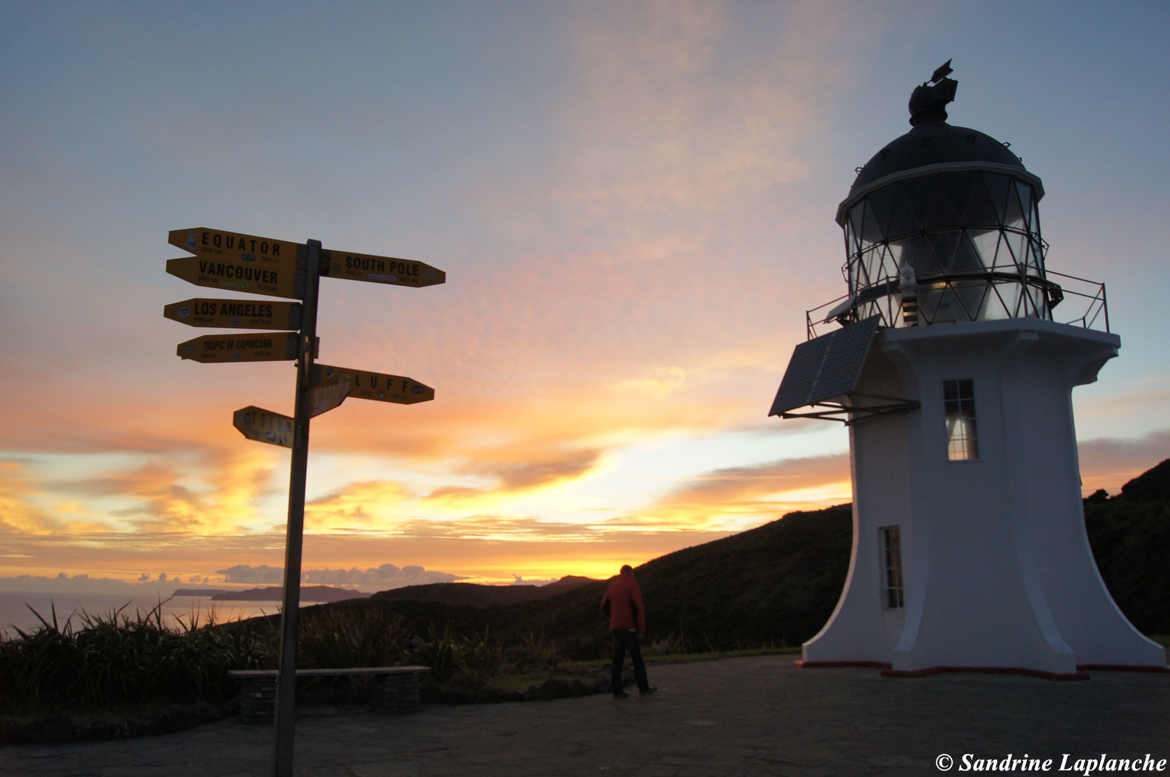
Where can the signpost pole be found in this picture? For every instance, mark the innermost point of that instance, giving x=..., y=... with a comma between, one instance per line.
x=282, y=757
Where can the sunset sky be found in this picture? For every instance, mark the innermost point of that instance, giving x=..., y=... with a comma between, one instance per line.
x=633, y=203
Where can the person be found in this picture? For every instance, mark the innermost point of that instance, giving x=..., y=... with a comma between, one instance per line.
x=627, y=619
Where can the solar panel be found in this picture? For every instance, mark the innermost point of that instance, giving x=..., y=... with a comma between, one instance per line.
x=825, y=367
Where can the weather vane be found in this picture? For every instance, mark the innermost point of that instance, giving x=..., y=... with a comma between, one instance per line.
x=928, y=102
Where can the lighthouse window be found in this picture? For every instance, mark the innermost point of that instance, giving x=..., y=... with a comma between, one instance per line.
x=959, y=402
x=892, y=591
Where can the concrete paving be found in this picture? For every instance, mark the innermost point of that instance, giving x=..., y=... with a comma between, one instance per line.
x=744, y=716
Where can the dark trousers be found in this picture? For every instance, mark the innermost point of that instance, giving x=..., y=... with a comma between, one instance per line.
x=624, y=640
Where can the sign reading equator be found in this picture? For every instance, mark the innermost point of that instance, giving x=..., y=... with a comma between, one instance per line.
x=224, y=244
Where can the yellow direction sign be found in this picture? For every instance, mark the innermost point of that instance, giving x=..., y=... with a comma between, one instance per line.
x=256, y=423
x=380, y=269
x=274, y=277
x=325, y=397
x=211, y=349
x=374, y=385
x=222, y=244
x=235, y=313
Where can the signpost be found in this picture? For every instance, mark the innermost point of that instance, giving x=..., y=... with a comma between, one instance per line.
x=235, y=313
x=232, y=260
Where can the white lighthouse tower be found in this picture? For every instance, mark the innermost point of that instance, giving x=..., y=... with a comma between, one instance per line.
x=954, y=375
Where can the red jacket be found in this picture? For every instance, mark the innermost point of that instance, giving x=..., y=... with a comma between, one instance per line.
x=626, y=610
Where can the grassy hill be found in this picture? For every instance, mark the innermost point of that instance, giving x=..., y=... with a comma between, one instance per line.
x=777, y=584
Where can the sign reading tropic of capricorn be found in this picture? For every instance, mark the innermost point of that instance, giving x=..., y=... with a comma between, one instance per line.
x=280, y=268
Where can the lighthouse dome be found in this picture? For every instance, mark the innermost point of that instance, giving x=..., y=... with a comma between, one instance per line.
x=942, y=226
x=933, y=143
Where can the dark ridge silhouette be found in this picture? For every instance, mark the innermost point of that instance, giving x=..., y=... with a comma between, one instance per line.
x=476, y=595
x=1150, y=485
x=309, y=593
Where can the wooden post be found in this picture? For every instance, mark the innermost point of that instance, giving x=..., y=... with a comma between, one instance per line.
x=282, y=754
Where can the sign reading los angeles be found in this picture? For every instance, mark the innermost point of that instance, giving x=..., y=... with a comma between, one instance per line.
x=235, y=313
x=256, y=423
x=374, y=385
x=217, y=349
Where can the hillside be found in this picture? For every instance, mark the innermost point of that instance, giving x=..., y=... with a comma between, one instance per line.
x=475, y=595
x=309, y=593
x=776, y=584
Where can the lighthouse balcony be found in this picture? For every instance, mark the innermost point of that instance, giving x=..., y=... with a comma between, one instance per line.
x=961, y=297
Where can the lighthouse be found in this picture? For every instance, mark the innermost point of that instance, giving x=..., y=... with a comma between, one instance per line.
x=951, y=360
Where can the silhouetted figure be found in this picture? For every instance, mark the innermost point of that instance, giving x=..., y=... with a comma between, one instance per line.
x=627, y=619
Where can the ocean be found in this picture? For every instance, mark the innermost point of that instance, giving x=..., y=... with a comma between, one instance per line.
x=15, y=613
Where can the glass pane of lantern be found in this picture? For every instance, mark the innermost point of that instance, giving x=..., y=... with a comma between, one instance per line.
x=969, y=299
x=1005, y=260
x=986, y=242
x=945, y=245
x=1002, y=301
x=1016, y=241
x=936, y=192
x=879, y=202
x=1036, y=257
x=871, y=228
x=997, y=188
x=980, y=210
x=854, y=219
x=901, y=220
x=1025, y=192
x=1013, y=214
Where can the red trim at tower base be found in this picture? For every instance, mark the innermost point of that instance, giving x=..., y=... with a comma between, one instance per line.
x=834, y=664
x=1078, y=675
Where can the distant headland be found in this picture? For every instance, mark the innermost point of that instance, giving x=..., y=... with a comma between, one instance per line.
x=309, y=593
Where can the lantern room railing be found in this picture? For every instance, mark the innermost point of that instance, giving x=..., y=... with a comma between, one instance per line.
x=1084, y=299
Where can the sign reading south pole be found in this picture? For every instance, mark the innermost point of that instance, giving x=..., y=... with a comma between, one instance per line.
x=381, y=269
x=217, y=349
x=235, y=313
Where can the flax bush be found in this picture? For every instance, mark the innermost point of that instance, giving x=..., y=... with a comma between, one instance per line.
x=116, y=659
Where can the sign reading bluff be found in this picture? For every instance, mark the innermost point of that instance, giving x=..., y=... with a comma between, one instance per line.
x=213, y=349
x=374, y=385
